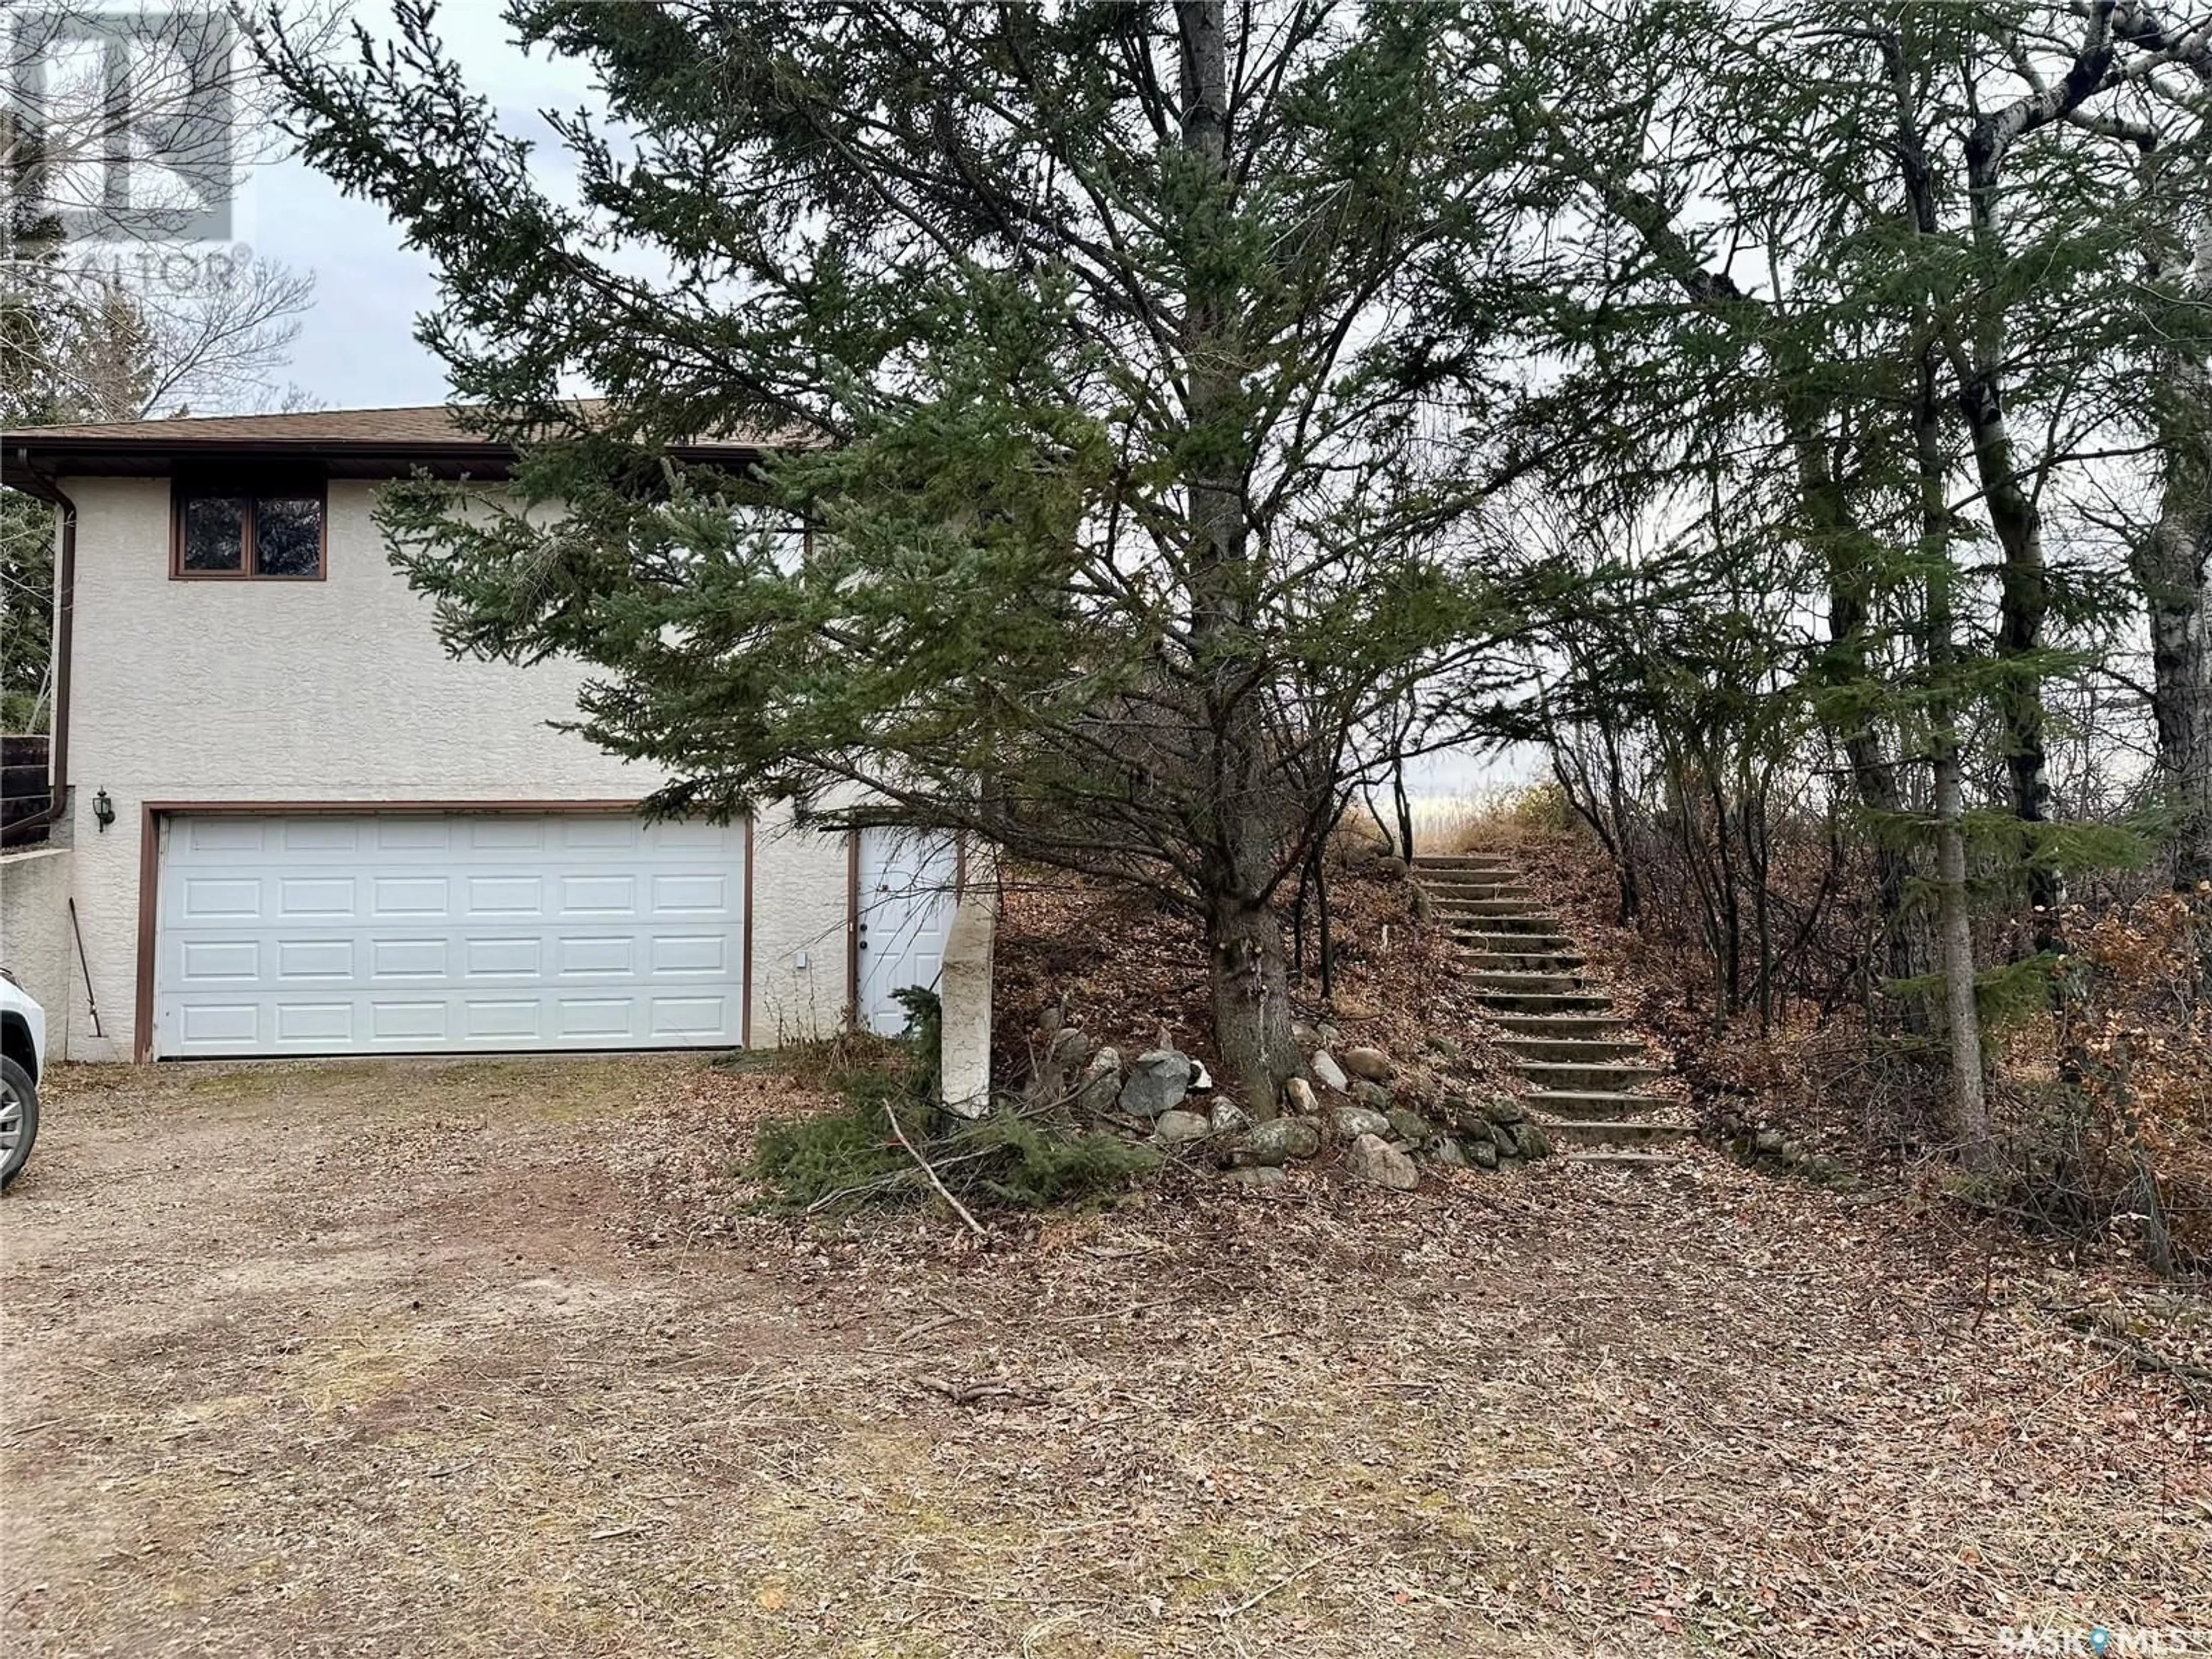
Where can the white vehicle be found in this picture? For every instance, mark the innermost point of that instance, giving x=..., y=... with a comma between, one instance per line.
x=23, y=1063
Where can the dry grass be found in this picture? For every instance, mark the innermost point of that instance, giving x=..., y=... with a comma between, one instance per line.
x=494, y=1359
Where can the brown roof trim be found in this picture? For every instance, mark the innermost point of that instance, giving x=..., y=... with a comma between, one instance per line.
x=348, y=443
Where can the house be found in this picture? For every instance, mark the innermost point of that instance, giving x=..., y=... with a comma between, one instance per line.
x=285, y=821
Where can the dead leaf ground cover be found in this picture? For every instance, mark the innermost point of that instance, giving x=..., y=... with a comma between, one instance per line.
x=1130, y=973
x=442, y=1360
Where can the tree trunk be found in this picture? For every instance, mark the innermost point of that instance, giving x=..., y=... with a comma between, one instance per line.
x=1405, y=805
x=2023, y=602
x=2172, y=564
x=1970, y=1104
x=1251, y=1002
x=1844, y=664
x=1324, y=947
x=2023, y=579
x=1251, y=987
x=2172, y=567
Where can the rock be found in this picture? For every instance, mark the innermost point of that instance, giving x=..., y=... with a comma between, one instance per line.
x=1767, y=1143
x=1159, y=1080
x=1484, y=1154
x=1529, y=1140
x=1502, y=1137
x=1298, y=1096
x=1284, y=1140
x=1102, y=1082
x=1257, y=1175
x=1353, y=1121
x=1070, y=1048
x=1176, y=1126
x=1329, y=1035
x=1049, y=1023
x=1506, y=1110
x=1327, y=1073
x=1372, y=1095
x=1374, y=1159
x=1370, y=1063
x=1443, y=1149
x=1229, y=1117
x=1409, y=1126
x=1305, y=1036
x=1418, y=1087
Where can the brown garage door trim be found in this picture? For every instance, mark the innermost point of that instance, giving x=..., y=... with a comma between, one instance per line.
x=151, y=812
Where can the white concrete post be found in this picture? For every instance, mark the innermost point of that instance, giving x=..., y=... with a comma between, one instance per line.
x=964, y=1000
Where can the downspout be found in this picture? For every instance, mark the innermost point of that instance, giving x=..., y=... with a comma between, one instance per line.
x=64, y=614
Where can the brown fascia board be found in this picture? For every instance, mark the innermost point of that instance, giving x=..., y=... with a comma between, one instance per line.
x=32, y=461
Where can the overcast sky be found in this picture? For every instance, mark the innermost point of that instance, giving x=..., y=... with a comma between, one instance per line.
x=356, y=348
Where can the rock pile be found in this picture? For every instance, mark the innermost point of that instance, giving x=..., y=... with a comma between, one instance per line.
x=1768, y=1149
x=1390, y=1118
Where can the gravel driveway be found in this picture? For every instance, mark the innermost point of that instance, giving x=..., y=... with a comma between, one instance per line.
x=420, y=1360
x=290, y=1348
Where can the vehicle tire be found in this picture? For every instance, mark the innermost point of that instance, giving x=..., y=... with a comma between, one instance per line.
x=19, y=1118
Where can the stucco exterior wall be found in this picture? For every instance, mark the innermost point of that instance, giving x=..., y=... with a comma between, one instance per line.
x=801, y=918
x=339, y=691
x=34, y=932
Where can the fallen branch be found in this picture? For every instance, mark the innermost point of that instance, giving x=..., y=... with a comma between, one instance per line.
x=967, y=1394
x=943, y=1192
x=1296, y=1572
x=2196, y=1380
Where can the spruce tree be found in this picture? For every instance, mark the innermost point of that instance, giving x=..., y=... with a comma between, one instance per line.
x=1080, y=335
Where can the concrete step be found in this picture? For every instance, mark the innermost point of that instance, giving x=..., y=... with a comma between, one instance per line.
x=1459, y=860
x=1631, y=1163
x=1531, y=962
x=1614, y=1103
x=1545, y=1002
x=1494, y=979
x=1524, y=925
x=1602, y=1132
x=1600, y=1027
x=1458, y=901
x=1483, y=939
x=1517, y=907
x=1575, y=1050
x=1572, y=1075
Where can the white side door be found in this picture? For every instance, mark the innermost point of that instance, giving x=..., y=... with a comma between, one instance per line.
x=909, y=886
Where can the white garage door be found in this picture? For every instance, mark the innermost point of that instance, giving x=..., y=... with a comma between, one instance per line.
x=396, y=932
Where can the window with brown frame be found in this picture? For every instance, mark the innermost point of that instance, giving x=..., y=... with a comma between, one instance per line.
x=261, y=533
